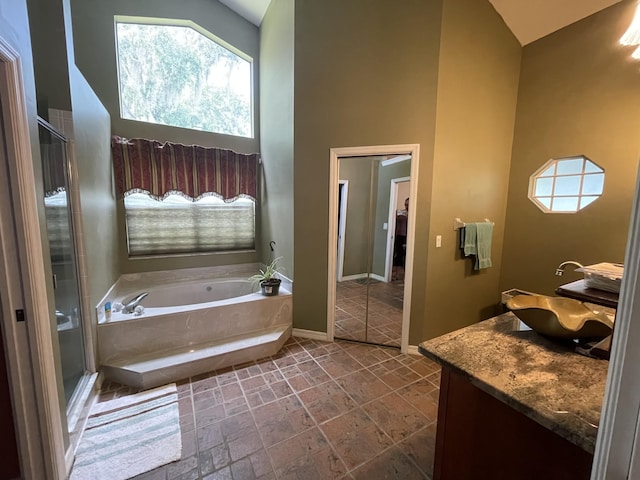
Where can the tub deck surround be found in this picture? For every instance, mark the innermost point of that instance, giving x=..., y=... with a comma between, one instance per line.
x=541, y=379
x=175, y=338
x=158, y=368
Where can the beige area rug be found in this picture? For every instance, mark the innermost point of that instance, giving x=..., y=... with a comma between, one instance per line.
x=130, y=435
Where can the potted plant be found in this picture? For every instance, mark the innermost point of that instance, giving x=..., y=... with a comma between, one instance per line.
x=269, y=283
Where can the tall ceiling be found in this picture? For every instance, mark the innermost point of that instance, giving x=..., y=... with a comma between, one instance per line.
x=529, y=20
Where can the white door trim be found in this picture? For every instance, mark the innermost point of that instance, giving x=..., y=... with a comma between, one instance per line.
x=342, y=226
x=41, y=443
x=617, y=453
x=391, y=225
x=334, y=154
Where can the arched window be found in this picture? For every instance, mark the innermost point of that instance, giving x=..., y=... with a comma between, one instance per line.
x=181, y=75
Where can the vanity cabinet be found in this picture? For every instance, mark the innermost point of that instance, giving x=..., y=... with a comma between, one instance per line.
x=513, y=404
x=479, y=436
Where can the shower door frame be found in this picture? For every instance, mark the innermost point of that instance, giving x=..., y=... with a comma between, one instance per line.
x=364, y=151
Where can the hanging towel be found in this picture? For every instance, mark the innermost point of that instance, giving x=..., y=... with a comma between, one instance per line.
x=484, y=232
x=468, y=239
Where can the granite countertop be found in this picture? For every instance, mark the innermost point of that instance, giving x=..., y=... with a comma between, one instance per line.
x=544, y=380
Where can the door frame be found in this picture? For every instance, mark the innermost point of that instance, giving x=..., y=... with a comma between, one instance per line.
x=617, y=452
x=342, y=226
x=368, y=151
x=391, y=222
x=28, y=344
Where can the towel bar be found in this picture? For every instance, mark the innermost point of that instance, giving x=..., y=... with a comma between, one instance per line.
x=458, y=224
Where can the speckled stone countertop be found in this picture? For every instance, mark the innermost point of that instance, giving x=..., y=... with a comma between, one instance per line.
x=544, y=380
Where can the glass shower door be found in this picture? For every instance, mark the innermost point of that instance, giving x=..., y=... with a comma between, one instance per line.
x=59, y=221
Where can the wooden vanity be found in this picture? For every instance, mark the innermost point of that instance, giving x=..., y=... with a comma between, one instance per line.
x=579, y=291
x=513, y=404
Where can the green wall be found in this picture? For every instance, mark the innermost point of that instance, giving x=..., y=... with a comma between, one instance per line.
x=477, y=91
x=276, y=132
x=579, y=94
x=50, y=63
x=93, y=28
x=365, y=74
x=91, y=126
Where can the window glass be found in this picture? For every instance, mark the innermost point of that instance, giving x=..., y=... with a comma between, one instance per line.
x=584, y=201
x=178, y=225
x=546, y=201
x=549, y=172
x=565, y=204
x=592, y=184
x=570, y=166
x=544, y=187
x=566, y=185
x=176, y=75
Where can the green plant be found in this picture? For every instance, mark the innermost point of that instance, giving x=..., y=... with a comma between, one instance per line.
x=268, y=273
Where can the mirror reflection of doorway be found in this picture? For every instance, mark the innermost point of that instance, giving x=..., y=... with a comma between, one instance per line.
x=371, y=248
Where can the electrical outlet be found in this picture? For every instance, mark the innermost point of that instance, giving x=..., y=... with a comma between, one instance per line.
x=438, y=241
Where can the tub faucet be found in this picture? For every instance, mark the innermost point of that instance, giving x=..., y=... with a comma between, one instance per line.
x=560, y=269
x=131, y=305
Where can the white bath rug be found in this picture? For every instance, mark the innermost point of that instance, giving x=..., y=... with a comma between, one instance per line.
x=130, y=435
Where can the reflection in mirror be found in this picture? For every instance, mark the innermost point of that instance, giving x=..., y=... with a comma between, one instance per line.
x=372, y=202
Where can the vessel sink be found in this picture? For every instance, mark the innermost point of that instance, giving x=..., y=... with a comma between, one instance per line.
x=559, y=317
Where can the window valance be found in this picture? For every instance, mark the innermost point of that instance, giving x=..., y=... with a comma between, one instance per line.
x=194, y=171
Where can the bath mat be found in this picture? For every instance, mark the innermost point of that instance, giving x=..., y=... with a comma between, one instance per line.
x=130, y=435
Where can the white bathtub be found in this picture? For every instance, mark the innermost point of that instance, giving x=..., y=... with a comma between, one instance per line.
x=187, y=312
x=202, y=292
x=187, y=296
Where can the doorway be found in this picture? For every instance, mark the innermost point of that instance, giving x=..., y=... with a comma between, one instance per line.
x=343, y=195
x=365, y=303
x=397, y=236
x=26, y=331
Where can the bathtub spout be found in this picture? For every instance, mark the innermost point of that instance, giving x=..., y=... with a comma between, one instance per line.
x=131, y=305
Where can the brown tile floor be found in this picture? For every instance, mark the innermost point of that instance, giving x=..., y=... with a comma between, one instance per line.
x=316, y=410
x=369, y=312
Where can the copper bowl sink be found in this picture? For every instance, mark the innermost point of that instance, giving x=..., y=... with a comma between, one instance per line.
x=560, y=317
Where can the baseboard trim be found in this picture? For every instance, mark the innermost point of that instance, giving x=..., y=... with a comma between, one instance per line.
x=357, y=276
x=311, y=334
x=413, y=350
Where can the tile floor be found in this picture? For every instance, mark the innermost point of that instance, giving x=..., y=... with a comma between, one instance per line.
x=369, y=312
x=316, y=410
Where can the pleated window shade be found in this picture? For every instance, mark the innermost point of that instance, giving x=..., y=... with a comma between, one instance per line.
x=177, y=225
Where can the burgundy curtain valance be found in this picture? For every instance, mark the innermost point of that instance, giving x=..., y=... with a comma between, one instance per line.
x=194, y=171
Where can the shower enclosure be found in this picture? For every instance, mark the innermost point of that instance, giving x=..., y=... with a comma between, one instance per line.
x=56, y=170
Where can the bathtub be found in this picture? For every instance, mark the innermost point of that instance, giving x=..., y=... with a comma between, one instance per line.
x=188, y=296
x=194, y=321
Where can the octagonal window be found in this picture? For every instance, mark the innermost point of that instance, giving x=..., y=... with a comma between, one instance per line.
x=176, y=73
x=566, y=185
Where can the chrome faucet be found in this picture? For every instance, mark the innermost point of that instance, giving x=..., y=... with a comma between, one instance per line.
x=560, y=269
x=131, y=305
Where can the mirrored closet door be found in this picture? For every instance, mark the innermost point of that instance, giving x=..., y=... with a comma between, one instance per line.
x=372, y=232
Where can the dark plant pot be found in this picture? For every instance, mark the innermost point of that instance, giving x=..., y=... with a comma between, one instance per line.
x=270, y=287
